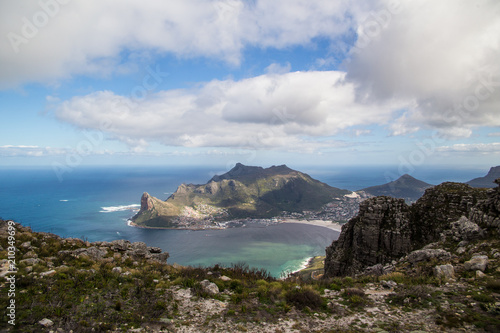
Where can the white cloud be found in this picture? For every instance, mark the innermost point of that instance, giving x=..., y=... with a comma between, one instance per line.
x=472, y=147
x=29, y=151
x=443, y=55
x=269, y=111
x=56, y=41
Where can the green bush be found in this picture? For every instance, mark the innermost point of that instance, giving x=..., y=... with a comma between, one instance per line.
x=305, y=297
x=355, y=297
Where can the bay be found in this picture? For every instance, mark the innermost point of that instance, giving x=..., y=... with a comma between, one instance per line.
x=94, y=203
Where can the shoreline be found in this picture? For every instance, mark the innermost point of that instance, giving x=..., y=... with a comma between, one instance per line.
x=319, y=223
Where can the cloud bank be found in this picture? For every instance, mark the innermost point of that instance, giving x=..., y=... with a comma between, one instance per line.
x=415, y=65
x=45, y=40
x=269, y=111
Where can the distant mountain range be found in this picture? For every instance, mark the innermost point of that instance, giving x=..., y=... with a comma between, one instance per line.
x=488, y=180
x=243, y=192
x=256, y=192
x=405, y=187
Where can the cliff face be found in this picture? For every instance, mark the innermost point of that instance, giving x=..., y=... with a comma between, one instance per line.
x=379, y=233
x=386, y=228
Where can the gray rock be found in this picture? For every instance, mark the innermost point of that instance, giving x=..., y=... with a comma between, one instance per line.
x=119, y=245
x=209, y=287
x=225, y=278
x=93, y=253
x=480, y=274
x=427, y=255
x=153, y=249
x=116, y=270
x=376, y=270
x=478, y=262
x=139, y=250
x=461, y=250
x=445, y=271
x=46, y=322
x=48, y=273
x=26, y=245
x=389, y=284
x=30, y=261
x=161, y=257
x=30, y=254
x=464, y=229
x=387, y=229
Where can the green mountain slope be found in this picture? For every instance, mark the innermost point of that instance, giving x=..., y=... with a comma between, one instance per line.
x=243, y=192
x=405, y=187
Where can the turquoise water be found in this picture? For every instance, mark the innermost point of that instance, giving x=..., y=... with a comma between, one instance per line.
x=95, y=203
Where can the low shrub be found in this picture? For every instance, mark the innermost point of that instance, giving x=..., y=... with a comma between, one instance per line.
x=305, y=297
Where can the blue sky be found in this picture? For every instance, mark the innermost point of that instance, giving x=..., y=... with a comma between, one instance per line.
x=259, y=82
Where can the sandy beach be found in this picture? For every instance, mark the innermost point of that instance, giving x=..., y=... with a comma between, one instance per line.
x=319, y=223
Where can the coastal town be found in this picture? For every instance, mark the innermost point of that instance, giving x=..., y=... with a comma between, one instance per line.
x=204, y=216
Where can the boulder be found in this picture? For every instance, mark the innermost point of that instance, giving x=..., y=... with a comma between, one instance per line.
x=117, y=270
x=427, y=255
x=153, y=249
x=139, y=250
x=464, y=230
x=46, y=322
x=209, y=287
x=477, y=263
x=48, y=273
x=480, y=274
x=161, y=257
x=388, y=284
x=444, y=271
x=120, y=245
x=30, y=261
x=93, y=253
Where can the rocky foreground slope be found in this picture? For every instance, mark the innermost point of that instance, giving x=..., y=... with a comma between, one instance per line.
x=451, y=284
x=69, y=285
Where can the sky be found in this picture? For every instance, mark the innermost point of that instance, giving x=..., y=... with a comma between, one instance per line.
x=261, y=82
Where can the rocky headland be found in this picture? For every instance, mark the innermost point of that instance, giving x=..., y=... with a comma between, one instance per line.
x=247, y=192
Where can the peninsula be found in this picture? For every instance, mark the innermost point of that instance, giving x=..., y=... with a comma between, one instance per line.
x=248, y=193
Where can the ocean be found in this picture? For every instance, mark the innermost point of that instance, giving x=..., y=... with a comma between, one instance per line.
x=94, y=203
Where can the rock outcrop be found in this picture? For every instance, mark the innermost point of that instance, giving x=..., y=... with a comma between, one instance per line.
x=379, y=233
x=387, y=229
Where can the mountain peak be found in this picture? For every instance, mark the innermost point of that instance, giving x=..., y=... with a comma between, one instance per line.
x=405, y=187
x=494, y=171
x=487, y=181
x=241, y=171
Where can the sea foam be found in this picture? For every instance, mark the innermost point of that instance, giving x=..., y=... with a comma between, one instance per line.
x=113, y=209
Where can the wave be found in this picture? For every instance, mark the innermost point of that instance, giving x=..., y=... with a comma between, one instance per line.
x=64, y=200
x=113, y=209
